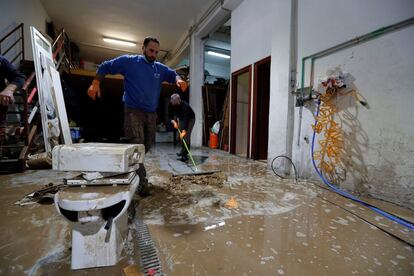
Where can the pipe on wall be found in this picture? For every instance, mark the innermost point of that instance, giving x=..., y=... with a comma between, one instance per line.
x=293, y=59
x=358, y=40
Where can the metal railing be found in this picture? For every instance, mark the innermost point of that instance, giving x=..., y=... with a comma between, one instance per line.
x=61, y=56
x=14, y=48
x=62, y=51
x=19, y=41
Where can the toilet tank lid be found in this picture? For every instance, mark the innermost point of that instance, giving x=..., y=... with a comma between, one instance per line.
x=97, y=157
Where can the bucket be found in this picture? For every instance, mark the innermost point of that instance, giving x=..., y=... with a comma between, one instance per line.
x=75, y=133
x=213, y=140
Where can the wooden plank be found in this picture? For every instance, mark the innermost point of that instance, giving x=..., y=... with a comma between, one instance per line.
x=86, y=73
x=8, y=161
x=25, y=151
x=205, y=115
x=224, y=131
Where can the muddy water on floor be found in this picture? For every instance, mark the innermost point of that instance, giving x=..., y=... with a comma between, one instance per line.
x=264, y=245
x=35, y=240
x=279, y=227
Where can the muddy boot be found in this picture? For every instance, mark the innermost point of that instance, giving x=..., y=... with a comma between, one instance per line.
x=181, y=153
x=184, y=158
x=131, y=211
x=143, y=187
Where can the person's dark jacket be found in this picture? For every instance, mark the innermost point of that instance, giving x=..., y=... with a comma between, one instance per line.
x=184, y=112
x=9, y=72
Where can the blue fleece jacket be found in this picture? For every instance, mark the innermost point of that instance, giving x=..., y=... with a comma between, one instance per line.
x=142, y=80
x=9, y=72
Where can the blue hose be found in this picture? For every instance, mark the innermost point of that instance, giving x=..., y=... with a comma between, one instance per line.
x=350, y=196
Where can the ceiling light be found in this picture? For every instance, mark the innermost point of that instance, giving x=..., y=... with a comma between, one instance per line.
x=119, y=41
x=218, y=54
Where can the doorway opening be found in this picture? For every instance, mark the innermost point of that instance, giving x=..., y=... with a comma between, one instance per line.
x=260, y=120
x=240, y=112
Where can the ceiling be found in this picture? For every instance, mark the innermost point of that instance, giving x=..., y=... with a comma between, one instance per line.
x=87, y=22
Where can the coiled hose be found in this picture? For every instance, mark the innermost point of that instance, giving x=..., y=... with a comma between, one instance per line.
x=350, y=196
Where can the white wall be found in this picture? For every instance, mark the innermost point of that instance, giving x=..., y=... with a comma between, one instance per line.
x=184, y=61
x=251, y=35
x=29, y=12
x=218, y=70
x=279, y=118
x=251, y=29
x=383, y=68
x=209, y=25
x=213, y=69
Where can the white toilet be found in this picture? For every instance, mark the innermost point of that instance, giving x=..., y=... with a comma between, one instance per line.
x=96, y=204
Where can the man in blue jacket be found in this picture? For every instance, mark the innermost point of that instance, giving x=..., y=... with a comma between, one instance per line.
x=143, y=77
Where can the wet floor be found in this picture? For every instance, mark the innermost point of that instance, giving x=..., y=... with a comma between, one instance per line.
x=242, y=221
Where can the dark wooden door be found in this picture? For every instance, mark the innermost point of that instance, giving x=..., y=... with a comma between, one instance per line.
x=261, y=99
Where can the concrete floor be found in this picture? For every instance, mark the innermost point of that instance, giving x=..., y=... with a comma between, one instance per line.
x=278, y=228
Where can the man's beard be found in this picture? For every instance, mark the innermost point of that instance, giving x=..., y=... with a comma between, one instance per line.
x=150, y=59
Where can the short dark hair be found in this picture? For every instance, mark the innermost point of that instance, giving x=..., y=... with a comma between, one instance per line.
x=150, y=38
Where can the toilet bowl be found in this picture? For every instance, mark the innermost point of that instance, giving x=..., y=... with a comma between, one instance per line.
x=99, y=220
x=97, y=210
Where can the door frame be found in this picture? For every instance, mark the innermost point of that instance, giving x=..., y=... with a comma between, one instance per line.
x=234, y=75
x=255, y=103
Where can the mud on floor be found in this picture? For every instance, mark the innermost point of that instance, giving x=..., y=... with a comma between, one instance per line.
x=178, y=184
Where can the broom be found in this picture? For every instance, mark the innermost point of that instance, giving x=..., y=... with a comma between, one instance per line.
x=196, y=171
